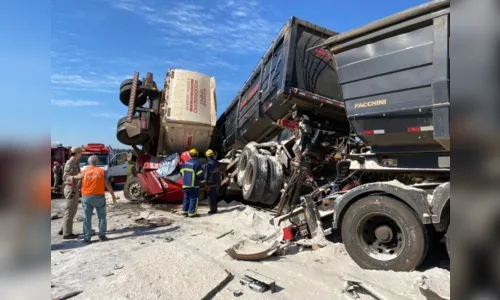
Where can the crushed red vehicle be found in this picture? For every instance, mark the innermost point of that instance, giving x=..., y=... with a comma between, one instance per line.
x=148, y=185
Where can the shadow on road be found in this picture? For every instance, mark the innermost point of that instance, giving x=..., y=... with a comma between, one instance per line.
x=141, y=231
x=128, y=232
x=437, y=256
x=238, y=208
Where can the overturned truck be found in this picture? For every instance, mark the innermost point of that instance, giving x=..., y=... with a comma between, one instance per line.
x=163, y=123
x=356, y=124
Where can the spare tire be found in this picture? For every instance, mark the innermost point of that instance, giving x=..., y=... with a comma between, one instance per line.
x=122, y=136
x=247, y=152
x=254, y=180
x=274, y=181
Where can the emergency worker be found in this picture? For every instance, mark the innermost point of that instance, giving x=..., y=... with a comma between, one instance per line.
x=71, y=193
x=94, y=180
x=56, y=170
x=192, y=177
x=212, y=178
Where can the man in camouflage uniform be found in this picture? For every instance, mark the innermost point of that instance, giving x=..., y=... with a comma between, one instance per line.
x=71, y=193
x=56, y=170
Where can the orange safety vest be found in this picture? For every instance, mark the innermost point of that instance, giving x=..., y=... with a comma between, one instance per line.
x=42, y=190
x=93, y=181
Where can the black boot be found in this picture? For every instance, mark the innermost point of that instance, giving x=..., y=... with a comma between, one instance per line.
x=70, y=236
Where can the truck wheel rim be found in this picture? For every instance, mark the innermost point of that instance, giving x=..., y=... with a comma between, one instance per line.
x=380, y=236
x=135, y=190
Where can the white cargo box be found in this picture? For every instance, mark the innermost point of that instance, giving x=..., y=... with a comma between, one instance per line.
x=188, y=112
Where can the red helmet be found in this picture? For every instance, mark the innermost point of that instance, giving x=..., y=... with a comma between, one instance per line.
x=185, y=157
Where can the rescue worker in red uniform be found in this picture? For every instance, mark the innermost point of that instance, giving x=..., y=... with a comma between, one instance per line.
x=192, y=177
x=212, y=180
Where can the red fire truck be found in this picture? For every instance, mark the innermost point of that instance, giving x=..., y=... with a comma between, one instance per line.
x=100, y=150
x=114, y=163
x=58, y=156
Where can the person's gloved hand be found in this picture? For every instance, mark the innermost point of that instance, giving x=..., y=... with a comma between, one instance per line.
x=207, y=188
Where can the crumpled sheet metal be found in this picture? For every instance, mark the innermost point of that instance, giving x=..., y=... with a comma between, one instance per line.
x=248, y=249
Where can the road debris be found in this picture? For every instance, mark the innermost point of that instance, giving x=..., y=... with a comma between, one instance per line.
x=257, y=237
x=354, y=287
x=426, y=291
x=258, y=282
x=304, y=242
x=224, y=234
x=55, y=216
x=237, y=293
x=165, y=207
x=68, y=295
x=108, y=274
x=118, y=267
x=245, y=251
x=165, y=238
x=287, y=248
x=153, y=222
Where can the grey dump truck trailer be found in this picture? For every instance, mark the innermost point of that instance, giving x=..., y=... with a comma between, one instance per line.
x=350, y=133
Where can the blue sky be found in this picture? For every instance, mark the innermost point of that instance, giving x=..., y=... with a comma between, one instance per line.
x=95, y=44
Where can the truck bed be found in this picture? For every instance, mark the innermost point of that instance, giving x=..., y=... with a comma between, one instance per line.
x=287, y=75
x=394, y=75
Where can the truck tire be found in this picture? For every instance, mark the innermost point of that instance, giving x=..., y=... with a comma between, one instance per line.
x=246, y=153
x=254, y=180
x=125, y=88
x=122, y=136
x=133, y=190
x=274, y=181
x=382, y=233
